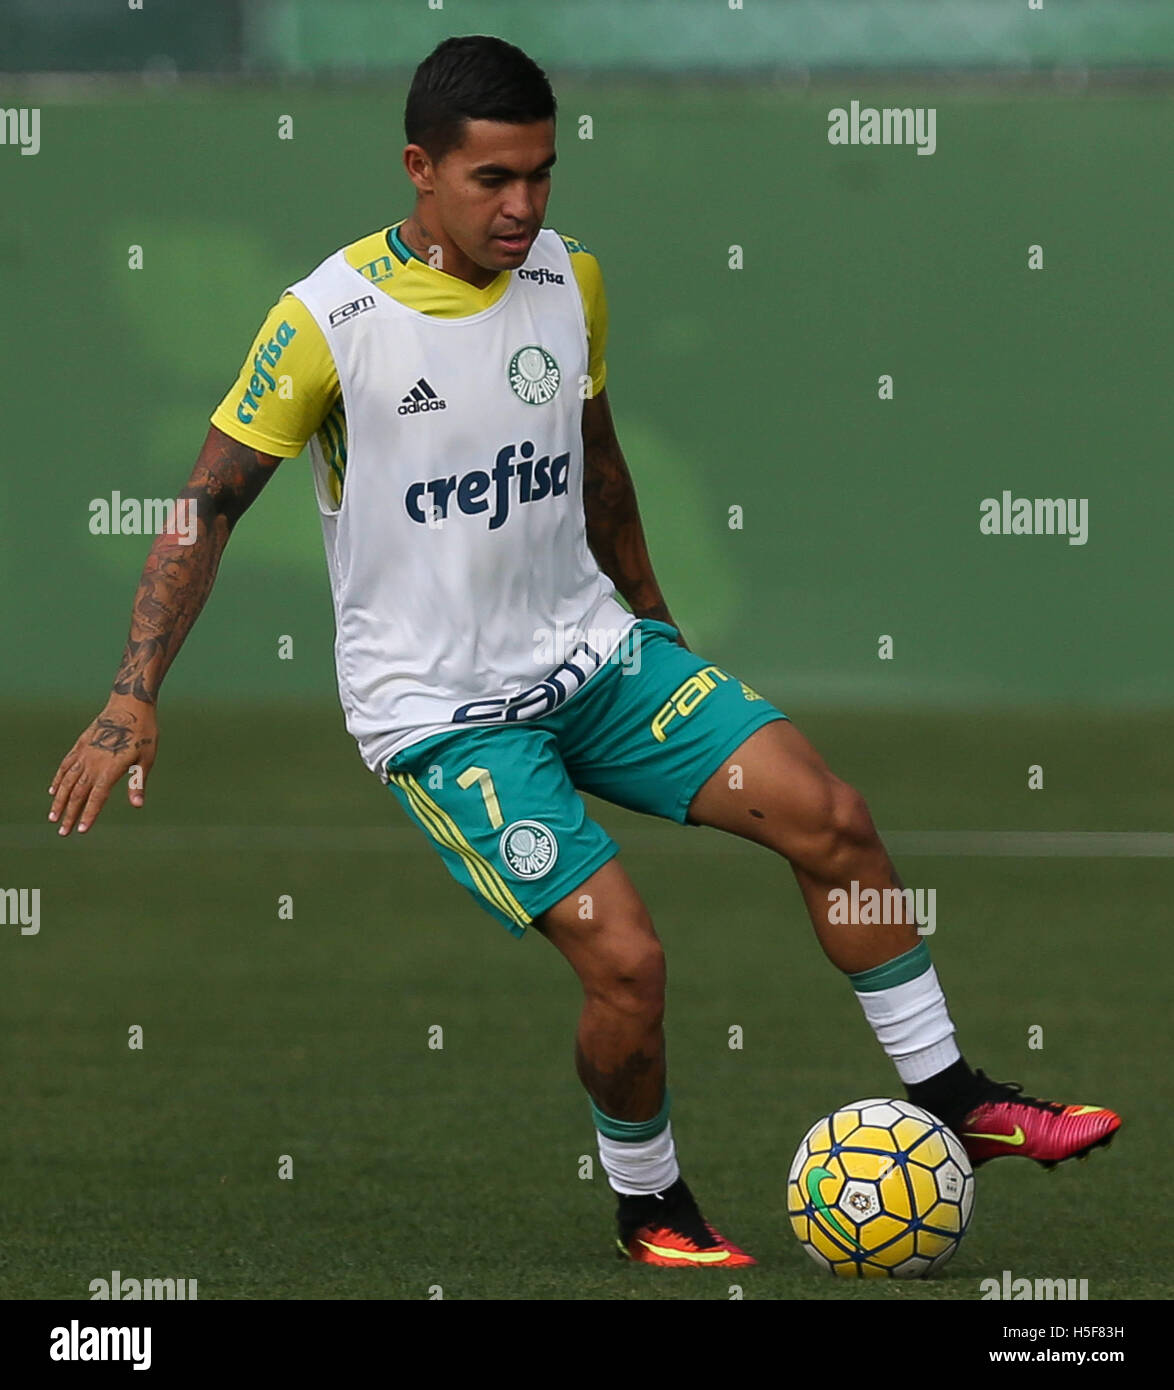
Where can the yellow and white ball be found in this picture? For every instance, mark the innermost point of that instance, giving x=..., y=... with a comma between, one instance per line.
x=880, y=1189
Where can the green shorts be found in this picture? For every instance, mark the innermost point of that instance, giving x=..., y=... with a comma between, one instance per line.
x=501, y=802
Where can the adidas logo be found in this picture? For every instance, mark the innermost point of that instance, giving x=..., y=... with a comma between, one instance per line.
x=421, y=397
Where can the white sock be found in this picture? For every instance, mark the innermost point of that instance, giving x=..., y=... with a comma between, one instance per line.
x=640, y=1169
x=913, y=1026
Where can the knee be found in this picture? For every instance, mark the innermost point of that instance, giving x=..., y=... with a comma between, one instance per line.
x=628, y=972
x=851, y=820
x=847, y=831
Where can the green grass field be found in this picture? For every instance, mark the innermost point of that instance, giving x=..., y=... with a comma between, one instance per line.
x=459, y=1168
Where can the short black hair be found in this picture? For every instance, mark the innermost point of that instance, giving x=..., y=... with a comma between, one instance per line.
x=474, y=77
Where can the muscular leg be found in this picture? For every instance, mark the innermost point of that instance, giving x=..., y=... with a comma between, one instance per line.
x=790, y=801
x=606, y=934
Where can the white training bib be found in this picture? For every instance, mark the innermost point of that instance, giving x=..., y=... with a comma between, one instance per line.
x=464, y=589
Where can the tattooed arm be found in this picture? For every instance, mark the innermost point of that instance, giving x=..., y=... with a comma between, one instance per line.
x=614, y=532
x=175, y=584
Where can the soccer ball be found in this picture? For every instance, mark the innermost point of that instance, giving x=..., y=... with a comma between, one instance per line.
x=880, y=1189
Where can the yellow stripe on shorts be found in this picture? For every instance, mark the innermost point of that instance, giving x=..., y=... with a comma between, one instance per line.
x=445, y=831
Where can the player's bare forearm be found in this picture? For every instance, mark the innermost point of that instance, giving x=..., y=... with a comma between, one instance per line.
x=614, y=531
x=178, y=577
x=174, y=587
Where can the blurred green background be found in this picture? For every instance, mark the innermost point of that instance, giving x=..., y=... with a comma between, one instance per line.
x=754, y=388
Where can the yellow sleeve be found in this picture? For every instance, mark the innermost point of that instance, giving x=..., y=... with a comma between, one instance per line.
x=286, y=387
x=590, y=278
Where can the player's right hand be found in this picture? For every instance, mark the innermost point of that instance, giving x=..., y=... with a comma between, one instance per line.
x=124, y=735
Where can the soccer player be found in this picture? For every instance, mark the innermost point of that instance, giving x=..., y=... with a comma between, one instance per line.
x=447, y=373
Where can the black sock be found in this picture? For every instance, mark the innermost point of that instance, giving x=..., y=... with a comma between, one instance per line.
x=651, y=1203
x=949, y=1094
x=675, y=1207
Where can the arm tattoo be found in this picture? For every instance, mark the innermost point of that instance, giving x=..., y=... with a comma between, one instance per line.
x=177, y=578
x=614, y=532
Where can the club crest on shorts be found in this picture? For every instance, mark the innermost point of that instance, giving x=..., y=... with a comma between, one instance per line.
x=528, y=848
x=533, y=375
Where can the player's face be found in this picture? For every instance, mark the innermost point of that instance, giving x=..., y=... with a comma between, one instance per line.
x=491, y=192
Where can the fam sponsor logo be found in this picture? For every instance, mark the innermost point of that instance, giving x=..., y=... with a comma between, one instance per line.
x=542, y=276
x=78, y=1343
x=531, y=479
x=344, y=312
x=688, y=695
x=892, y=125
x=116, y=515
x=872, y=907
x=1035, y=516
x=542, y=698
x=21, y=125
x=267, y=355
